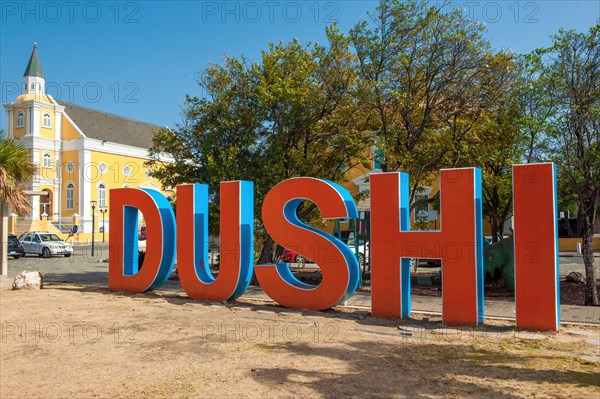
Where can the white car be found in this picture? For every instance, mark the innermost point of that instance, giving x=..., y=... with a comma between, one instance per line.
x=363, y=249
x=214, y=257
x=142, y=245
x=44, y=244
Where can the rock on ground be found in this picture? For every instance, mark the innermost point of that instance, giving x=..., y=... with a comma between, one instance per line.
x=28, y=280
x=576, y=276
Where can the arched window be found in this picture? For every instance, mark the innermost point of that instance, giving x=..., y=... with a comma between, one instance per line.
x=20, y=119
x=101, y=195
x=47, y=161
x=47, y=120
x=70, y=196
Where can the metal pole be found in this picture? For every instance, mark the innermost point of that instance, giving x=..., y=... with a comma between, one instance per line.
x=93, y=227
x=103, y=226
x=4, y=239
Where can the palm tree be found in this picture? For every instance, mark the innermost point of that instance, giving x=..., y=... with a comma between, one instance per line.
x=15, y=167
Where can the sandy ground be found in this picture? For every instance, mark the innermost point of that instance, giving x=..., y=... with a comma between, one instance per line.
x=85, y=342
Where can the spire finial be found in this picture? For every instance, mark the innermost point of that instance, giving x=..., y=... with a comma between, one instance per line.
x=34, y=44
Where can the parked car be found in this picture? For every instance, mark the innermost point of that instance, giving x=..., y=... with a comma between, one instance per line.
x=290, y=256
x=44, y=244
x=214, y=257
x=15, y=249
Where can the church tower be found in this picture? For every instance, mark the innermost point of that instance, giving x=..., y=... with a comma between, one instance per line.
x=33, y=78
x=36, y=120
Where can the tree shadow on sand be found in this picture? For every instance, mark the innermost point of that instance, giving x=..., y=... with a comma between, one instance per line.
x=415, y=370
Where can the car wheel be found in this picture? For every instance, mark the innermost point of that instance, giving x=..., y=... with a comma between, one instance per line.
x=67, y=255
x=299, y=259
x=46, y=252
x=16, y=256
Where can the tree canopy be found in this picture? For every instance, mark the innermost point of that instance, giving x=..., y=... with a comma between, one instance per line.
x=290, y=115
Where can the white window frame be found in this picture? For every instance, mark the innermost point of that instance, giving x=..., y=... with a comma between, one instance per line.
x=46, y=160
x=70, y=201
x=47, y=120
x=20, y=119
x=102, y=187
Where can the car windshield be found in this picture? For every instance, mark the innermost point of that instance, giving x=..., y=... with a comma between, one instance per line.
x=50, y=237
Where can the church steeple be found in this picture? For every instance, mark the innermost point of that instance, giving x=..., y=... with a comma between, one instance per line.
x=34, y=68
x=33, y=78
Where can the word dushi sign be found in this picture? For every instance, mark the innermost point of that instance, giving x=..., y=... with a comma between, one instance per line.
x=458, y=243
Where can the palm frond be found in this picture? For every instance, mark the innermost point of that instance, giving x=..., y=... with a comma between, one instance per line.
x=15, y=168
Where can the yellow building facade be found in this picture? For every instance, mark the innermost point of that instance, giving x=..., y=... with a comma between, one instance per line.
x=80, y=154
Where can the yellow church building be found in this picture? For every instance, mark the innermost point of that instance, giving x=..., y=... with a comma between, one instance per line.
x=80, y=154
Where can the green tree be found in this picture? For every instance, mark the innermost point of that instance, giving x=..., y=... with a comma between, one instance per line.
x=499, y=148
x=572, y=69
x=291, y=114
x=426, y=78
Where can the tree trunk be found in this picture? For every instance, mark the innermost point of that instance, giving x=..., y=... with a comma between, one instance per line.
x=570, y=233
x=495, y=227
x=501, y=223
x=3, y=239
x=591, y=293
x=266, y=256
x=578, y=232
x=266, y=253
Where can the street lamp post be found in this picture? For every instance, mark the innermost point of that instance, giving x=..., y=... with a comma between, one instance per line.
x=93, y=204
x=103, y=212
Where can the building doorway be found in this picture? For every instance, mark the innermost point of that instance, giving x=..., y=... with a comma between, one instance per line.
x=46, y=204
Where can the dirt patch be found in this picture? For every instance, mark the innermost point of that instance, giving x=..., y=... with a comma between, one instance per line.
x=573, y=293
x=71, y=341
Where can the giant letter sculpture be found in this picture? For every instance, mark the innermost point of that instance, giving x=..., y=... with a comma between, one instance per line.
x=459, y=244
x=536, y=247
x=237, y=240
x=338, y=264
x=123, y=273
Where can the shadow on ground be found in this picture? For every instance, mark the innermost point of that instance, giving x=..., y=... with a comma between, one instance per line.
x=419, y=371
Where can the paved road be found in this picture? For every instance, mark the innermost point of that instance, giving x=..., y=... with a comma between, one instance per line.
x=82, y=268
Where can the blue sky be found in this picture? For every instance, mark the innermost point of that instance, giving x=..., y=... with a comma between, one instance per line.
x=140, y=58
